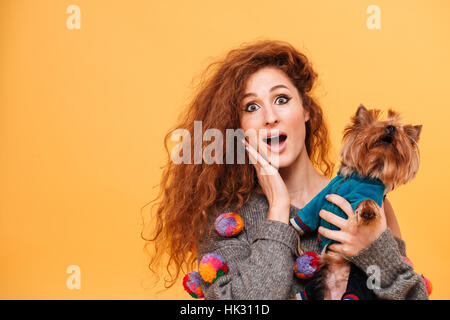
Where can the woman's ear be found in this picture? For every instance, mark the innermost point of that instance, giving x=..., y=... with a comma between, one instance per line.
x=306, y=114
x=304, y=101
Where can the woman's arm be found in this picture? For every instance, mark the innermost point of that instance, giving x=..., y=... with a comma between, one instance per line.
x=393, y=225
x=391, y=219
x=261, y=269
x=397, y=279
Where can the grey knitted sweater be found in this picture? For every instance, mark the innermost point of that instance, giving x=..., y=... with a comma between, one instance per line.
x=261, y=258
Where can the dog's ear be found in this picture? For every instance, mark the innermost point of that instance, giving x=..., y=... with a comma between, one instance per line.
x=413, y=131
x=392, y=115
x=362, y=116
x=361, y=111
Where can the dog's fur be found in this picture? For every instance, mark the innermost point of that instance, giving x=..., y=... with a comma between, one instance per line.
x=385, y=150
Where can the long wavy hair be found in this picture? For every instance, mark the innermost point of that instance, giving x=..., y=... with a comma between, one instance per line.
x=190, y=193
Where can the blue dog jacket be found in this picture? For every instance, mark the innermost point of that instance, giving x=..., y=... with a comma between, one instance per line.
x=353, y=188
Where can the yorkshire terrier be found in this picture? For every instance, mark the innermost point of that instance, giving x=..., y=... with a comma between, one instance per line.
x=376, y=157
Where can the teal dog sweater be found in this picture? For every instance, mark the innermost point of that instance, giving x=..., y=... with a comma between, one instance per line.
x=353, y=188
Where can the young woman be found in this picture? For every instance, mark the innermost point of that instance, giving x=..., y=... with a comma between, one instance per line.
x=265, y=86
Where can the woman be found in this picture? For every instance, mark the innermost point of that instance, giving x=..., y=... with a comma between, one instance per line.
x=266, y=86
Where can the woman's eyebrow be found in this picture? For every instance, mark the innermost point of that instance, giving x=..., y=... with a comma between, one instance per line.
x=273, y=88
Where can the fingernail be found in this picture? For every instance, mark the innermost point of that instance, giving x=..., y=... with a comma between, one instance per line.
x=246, y=148
x=326, y=197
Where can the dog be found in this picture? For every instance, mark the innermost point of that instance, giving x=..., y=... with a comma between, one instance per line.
x=376, y=157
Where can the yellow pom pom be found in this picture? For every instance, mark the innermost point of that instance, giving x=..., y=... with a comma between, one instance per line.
x=208, y=272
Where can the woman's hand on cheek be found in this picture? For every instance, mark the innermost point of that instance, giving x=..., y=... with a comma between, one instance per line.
x=272, y=185
x=353, y=235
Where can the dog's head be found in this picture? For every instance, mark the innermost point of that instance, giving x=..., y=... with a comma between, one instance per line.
x=381, y=149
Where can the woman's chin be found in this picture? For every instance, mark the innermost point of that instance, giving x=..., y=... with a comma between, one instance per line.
x=280, y=161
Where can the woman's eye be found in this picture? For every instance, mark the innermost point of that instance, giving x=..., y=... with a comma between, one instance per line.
x=251, y=107
x=283, y=99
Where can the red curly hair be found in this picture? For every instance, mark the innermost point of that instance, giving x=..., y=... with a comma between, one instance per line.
x=190, y=192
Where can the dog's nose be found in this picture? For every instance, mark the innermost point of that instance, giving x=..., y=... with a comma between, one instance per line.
x=390, y=130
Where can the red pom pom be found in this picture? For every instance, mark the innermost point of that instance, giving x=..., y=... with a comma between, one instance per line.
x=191, y=283
x=428, y=284
x=408, y=262
x=212, y=266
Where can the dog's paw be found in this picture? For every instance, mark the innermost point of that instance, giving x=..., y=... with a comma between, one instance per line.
x=367, y=211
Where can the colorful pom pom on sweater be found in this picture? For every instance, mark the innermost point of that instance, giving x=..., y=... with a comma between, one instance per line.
x=408, y=262
x=212, y=266
x=428, y=284
x=306, y=265
x=191, y=283
x=228, y=224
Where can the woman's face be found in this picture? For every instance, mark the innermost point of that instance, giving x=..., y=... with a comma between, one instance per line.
x=272, y=107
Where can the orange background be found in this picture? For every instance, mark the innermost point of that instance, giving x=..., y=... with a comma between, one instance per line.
x=84, y=112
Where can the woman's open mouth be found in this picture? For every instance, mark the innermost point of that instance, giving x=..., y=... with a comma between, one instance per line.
x=276, y=142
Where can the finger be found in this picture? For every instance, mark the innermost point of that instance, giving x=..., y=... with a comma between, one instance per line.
x=339, y=248
x=334, y=219
x=261, y=166
x=341, y=203
x=251, y=154
x=332, y=234
x=265, y=167
x=262, y=146
x=258, y=146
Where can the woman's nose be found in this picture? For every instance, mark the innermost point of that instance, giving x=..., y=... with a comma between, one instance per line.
x=270, y=117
